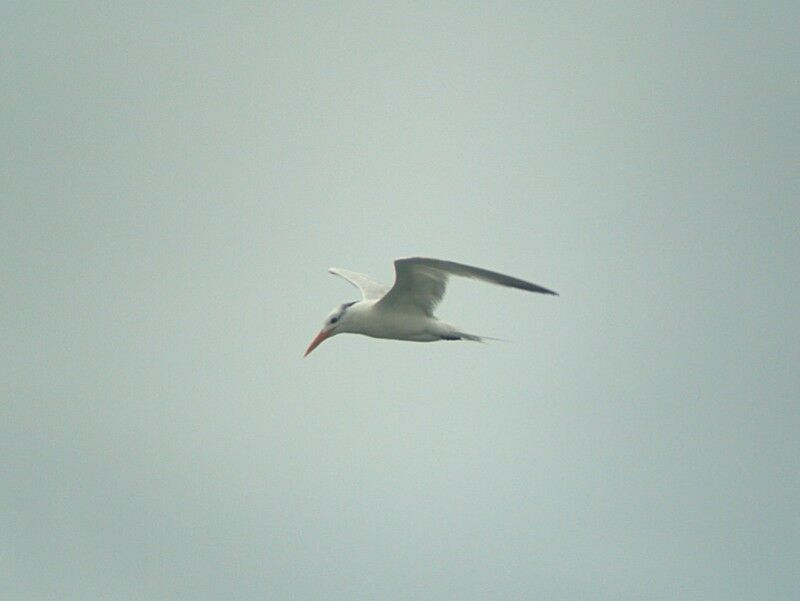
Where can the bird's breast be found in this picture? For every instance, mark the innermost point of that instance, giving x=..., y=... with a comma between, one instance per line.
x=398, y=326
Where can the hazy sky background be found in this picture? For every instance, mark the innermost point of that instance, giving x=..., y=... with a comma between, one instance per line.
x=177, y=178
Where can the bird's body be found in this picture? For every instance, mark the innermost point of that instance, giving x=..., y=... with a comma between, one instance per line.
x=405, y=311
x=369, y=318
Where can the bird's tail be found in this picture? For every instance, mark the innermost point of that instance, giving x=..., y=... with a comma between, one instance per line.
x=475, y=338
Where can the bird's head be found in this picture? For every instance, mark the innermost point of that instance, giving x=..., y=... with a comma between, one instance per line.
x=335, y=323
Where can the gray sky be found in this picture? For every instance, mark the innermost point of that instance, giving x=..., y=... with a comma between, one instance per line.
x=177, y=179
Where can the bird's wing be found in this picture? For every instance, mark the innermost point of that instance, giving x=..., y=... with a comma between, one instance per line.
x=420, y=283
x=370, y=289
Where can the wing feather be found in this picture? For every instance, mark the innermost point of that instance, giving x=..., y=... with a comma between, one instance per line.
x=370, y=289
x=420, y=283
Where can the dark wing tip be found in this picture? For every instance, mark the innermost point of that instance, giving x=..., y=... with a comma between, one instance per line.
x=541, y=290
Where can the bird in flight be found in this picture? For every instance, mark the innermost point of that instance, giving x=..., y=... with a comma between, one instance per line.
x=405, y=311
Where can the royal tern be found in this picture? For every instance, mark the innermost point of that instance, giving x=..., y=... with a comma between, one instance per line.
x=405, y=311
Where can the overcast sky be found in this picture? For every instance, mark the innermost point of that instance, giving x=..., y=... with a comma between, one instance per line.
x=176, y=180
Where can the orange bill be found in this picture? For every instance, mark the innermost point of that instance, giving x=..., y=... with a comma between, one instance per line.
x=316, y=342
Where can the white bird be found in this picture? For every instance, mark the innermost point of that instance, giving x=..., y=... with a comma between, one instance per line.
x=405, y=311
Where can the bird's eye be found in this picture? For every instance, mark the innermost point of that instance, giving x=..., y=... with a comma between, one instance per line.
x=334, y=319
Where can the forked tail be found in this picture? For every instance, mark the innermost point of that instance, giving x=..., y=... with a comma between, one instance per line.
x=470, y=337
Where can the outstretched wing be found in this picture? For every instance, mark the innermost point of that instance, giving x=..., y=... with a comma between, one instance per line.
x=420, y=283
x=370, y=289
